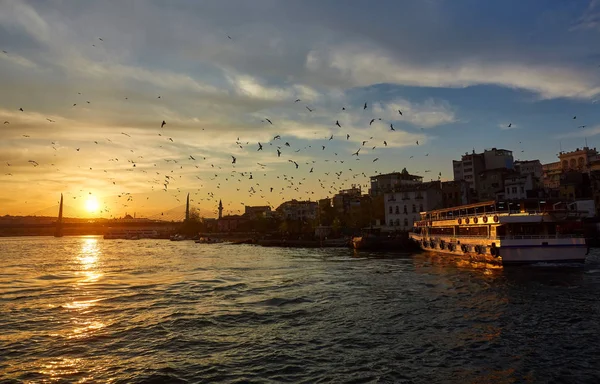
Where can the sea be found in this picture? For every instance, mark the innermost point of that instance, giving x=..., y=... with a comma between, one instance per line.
x=89, y=310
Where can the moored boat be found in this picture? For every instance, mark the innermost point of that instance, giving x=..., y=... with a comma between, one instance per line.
x=208, y=240
x=505, y=232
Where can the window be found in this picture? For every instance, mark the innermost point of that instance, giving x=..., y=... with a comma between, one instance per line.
x=397, y=209
x=507, y=190
x=397, y=222
x=514, y=190
x=405, y=222
x=391, y=223
x=565, y=164
x=420, y=207
x=414, y=210
x=405, y=209
x=391, y=208
x=522, y=189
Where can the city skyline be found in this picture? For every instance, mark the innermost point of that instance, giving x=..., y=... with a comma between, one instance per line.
x=96, y=81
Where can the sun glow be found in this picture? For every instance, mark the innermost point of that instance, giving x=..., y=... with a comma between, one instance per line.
x=91, y=204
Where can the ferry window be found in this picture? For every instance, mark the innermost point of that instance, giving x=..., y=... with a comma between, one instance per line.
x=414, y=210
x=405, y=209
x=405, y=222
x=397, y=209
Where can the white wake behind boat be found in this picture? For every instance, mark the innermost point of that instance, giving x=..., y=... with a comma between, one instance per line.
x=505, y=232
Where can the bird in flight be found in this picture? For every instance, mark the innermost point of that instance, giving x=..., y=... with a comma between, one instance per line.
x=365, y=107
x=277, y=137
x=163, y=123
x=509, y=125
x=371, y=122
x=338, y=123
x=192, y=158
x=123, y=133
x=356, y=153
x=331, y=138
x=297, y=100
x=347, y=136
x=400, y=112
x=375, y=159
x=233, y=159
x=21, y=109
x=417, y=142
x=278, y=153
x=270, y=122
x=392, y=127
x=574, y=117
x=385, y=143
x=309, y=110
x=259, y=147
x=6, y=122
x=582, y=126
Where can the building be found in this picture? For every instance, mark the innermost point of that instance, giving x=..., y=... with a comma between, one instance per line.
x=402, y=207
x=347, y=200
x=551, y=175
x=491, y=183
x=298, y=210
x=261, y=211
x=468, y=168
x=230, y=223
x=578, y=160
x=518, y=186
x=533, y=167
x=385, y=183
x=455, y=193
x=498, y=158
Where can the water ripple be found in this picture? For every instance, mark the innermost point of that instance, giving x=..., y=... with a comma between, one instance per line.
x=86, y=309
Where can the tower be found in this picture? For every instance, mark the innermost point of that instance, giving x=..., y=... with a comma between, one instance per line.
x=58, y=228
x=187, y=208
x=220, y=209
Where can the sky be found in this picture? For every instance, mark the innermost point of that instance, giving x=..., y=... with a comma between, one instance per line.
x=96, y=79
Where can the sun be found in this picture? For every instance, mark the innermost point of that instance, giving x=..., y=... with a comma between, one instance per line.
x=91, y=204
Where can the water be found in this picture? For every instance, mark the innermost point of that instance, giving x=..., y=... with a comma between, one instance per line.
x=84, y=309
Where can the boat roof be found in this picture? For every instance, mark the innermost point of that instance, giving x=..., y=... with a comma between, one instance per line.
x=467, y=206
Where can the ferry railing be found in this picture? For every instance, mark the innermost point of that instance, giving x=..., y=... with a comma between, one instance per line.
x=514, y=212
x=509, y=237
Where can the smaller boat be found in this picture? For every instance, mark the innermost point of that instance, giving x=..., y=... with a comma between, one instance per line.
x=177, y=237
x=208, y=240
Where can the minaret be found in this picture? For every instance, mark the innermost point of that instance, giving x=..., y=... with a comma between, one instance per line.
x=220, y=209
x=58, y=228
x=187, y=208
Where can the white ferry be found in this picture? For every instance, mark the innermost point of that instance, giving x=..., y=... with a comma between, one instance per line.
x=505, y=232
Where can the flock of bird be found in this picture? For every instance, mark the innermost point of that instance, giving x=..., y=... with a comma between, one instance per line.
x=309, y=177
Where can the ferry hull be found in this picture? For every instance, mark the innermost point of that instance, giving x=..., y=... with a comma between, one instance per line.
x=574, y=251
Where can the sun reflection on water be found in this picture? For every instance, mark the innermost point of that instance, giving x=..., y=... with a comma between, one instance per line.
x=88, y=259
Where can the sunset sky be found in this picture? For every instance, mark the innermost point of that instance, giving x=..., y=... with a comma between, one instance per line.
x=88, y=76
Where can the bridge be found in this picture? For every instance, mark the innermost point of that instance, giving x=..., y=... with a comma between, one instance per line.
x=45, y=222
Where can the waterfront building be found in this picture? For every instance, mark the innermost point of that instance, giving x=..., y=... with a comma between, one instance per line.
x=578, y=160
x=403, y=205
x=381, y=184
x=298, y=210
x=468, y=169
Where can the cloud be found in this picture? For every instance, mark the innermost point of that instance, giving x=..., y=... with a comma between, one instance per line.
x=590, y=18
x=359, y=65
x=428, y=114
x=580, y=132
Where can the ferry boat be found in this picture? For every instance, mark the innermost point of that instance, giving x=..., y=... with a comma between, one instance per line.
x=505, y=232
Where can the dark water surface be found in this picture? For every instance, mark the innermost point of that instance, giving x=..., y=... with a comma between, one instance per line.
x=84, y=309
